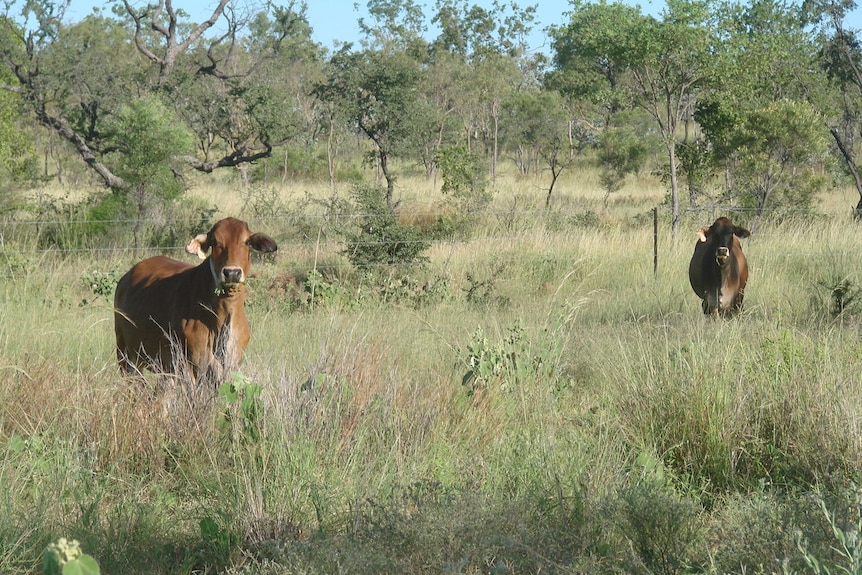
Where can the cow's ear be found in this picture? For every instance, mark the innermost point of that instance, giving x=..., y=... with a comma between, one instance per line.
x=262, y=243
x=741, y=232
x=701, y=235
x=199, y=246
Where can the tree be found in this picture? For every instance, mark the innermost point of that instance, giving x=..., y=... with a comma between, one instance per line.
x=75, y=77
x=377, y=91
x=464, y=179
x=536, y=131
x=62, y=74
x=618, y=58
x=17, y=154
x=841, y=54
x=396, y=25
x=669, y=66
x=378, y=238
x=768, y=124
x=591, y=52
x=491, y=44
x=622, y=150
x=780, y=148
x=148, y=143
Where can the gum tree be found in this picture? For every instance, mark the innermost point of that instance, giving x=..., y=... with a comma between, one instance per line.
x=378, y=93
x=637, y=60
x=767, y=126
x=74, y=77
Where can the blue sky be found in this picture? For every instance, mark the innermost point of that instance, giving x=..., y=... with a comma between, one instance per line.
x=336, y=20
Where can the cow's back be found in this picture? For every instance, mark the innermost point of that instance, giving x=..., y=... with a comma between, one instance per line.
x=698, y=269
x=144, y=305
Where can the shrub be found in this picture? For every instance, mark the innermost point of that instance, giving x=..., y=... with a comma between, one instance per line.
x=378, y=238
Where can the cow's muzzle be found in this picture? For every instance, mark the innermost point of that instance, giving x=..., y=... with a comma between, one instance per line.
x=228, y=280
x=721, y=255
x=232, y=275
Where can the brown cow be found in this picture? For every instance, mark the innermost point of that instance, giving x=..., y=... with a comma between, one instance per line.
x=718, y=270
x=170, y=315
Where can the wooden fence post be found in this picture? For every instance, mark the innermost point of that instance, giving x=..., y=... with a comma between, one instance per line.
x=655, y=242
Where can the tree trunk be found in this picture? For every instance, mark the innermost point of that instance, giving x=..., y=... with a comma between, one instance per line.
x=330, y=152
x=554, y=175
x=494, y=114
x=674, y=188
x=390, y=179
x=851, y=166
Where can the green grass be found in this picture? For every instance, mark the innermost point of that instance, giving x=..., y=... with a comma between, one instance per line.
x=554, y=408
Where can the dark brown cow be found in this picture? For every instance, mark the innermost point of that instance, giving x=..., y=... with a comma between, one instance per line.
x=718, y=270
x=171, y=315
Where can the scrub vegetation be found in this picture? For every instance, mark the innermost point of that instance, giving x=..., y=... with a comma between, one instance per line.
x=527, y=398
x=464, y=357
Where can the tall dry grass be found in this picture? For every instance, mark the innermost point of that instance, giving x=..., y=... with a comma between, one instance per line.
x=560, y=408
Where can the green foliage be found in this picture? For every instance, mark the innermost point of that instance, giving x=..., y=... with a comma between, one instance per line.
x=18, y=163
x=590, y=52
x=149, y=141
x=779, y=149
x=536, y=129
x=101, y=284
x=484, y=291
x=842, y=299
x=14, y=263
x=464, y=176
x=378, y=91
x=66, y=558
x=846, y=544
x=219, y=540
x=401, y=289
x=322, y=292
x=241, y=417
x=621, y=151
x=378, y=238
x=698, y=165
x=506, y=365
x=662, y=527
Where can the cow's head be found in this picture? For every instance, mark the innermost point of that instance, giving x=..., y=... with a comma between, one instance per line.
x=229, y=242
x=720, y=235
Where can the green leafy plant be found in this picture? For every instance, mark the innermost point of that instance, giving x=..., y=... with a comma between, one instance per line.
x=506, y=363
x=843, y=296
x=66, y=558
x=379, y=239
x=847, y=546
x=483, y=290
x=13, y=262
x=219, y=541
x=101, y=284
x=404, y=289
x=464, y=178
x=621, y=151
x=323, y=292
x=243, y=406
x=662, y=526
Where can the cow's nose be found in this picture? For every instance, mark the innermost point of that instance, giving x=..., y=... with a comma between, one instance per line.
x=722, y=252
x=232, y=275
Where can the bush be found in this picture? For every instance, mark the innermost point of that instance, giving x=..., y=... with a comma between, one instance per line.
x=378, y=238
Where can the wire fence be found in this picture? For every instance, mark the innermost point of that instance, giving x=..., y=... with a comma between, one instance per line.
x=319, y=232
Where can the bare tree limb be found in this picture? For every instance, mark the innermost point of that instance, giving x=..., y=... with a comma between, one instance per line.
x=173, y=46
